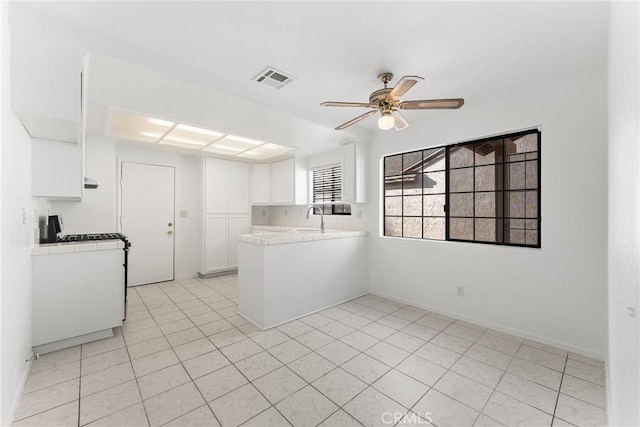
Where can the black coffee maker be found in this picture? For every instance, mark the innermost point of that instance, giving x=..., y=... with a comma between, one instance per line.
x=53, y=229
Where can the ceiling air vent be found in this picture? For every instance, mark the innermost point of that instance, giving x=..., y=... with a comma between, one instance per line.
x=274, y=78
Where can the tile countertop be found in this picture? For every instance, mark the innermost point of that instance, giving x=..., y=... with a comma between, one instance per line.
x=277, y=235
x=65, y=248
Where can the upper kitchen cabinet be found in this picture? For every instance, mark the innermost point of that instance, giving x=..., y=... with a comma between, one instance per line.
x=46, y=88
x=261, y=183
x=226, y=186
x=354, y=173
x=288, y=183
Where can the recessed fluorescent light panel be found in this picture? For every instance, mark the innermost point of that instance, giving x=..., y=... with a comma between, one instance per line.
x=137, y=127
x=123, y=124
x=190, y=136
x=266, y=151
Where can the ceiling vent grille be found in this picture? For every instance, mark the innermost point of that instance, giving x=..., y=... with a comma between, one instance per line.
x=274, y=78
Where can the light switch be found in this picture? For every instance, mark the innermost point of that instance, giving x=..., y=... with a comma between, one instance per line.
x=184, y=214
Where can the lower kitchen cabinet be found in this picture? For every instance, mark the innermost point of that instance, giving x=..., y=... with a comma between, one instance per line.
x=221, y=241
x=77, y=296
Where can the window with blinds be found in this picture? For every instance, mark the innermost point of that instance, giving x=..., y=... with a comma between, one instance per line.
x=327, y=190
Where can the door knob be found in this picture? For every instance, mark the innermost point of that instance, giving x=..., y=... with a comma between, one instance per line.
x=170, y=232
x=170, y=224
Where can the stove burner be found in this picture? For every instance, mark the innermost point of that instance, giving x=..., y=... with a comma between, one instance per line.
x=91, y=237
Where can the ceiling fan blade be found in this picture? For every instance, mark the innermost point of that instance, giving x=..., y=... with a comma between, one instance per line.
x=348, y=104
x=403, y=85
x=400, y=122
x=356, y=120
x=432, y=104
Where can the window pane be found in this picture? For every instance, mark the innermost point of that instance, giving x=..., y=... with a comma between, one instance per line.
x=412, y=227
x=461, y=180
x=531, y=224
x=517, y=146
x=461, y=156
x=516, y=236
x=531, y=206
x=393, y=226
x=392, y=186
x=531, y=237
x=489, y=230
x=412, y=162
x=516, y=176
x=433, y=159
x=461, y=228
x=393, y=165
x=489, y=152
x=531, y=178
x=434, y=205
x=461, y=204
x=412, y=184
x=486, y=178
x=489, y=204
x=393, y=206
x=433, y=228
x=412, y=206
x=434, y=182
x=516, y=204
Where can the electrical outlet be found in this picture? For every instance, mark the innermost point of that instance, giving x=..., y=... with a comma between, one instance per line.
x=286, y=212
x=264, y=212
x=460, y=290
x=359, y=214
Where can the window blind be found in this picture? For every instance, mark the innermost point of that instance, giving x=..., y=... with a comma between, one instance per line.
x=327, y=184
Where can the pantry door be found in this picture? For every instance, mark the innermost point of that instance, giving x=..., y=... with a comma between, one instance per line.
x=147, y=219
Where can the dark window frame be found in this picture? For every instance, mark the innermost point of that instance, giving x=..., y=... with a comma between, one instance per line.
x=447, y=192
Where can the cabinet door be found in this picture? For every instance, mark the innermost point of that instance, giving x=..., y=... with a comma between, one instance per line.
x=238, y=187
x=216, y=248
x=45, y=87
x=239, y=224
x=216, y=186
x=283, y=181
x=56, y=169
x=261, y=183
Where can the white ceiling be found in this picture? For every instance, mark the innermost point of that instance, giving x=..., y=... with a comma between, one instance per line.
x=336, y=49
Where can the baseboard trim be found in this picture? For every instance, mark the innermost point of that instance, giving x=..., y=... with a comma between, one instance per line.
x=497, y=327
x=16, y=398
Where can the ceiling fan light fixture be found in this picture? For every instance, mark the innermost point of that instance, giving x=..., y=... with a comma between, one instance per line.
x=386, y=121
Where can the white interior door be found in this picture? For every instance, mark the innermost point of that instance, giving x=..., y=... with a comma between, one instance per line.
x=147, y=219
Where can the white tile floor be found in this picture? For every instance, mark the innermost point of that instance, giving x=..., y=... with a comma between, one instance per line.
x=185, y=358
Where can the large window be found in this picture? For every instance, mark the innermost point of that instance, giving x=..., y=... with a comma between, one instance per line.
x=480, y=191
x=327, y=190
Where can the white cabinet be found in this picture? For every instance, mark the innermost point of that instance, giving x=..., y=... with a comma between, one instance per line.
x=221, y=241
x=226, y=186
x=288, y=183
x=46, y=87
x=226, y=212
x=238, y=224
x=354, y=173
x=216, y=247
x=261, y=183
x=56, y=169
x=238, y=174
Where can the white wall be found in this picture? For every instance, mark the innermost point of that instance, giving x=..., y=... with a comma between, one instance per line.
x=624, y=216
x=556, y=294
x=15, y=248
x=96, y=212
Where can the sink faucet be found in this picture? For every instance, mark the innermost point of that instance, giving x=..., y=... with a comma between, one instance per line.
x=312, y=208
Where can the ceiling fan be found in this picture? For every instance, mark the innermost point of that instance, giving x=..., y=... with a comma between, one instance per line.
x=387, y=101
